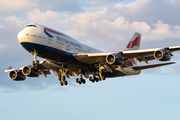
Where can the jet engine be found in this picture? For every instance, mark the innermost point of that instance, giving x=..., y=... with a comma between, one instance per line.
x=30, y=71
x=162, y=55
x=16, y=75
x=113, y=59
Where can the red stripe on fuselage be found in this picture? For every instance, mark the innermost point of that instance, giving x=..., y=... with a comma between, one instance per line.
x=52, y=31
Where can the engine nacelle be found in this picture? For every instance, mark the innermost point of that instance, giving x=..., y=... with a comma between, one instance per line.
x=30, y=71
x=16, y=75
x=113, y=59
x=162, y=55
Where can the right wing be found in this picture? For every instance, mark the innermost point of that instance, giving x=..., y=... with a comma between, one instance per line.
x=19, y=74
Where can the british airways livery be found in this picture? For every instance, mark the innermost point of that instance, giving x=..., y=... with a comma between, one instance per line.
x=67, y=57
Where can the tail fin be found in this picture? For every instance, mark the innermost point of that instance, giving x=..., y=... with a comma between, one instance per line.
x=134, y=44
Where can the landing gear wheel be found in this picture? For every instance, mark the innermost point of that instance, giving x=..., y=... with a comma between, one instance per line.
x=77, y=80
x=103, y=77
x=35, y=63
x=65, y=82
x=83, y=81
x=61, y=83
x=90, y=78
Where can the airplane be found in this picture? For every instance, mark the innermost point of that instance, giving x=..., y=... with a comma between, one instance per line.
x=67, y=57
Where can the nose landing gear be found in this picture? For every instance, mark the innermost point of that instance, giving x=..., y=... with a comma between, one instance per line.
x=35, y=62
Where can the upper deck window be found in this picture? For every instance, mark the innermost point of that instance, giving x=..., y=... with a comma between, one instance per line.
x=31, y=26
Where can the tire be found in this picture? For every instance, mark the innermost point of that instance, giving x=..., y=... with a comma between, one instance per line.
x=61, y=83
x=37, y=62
x=77, y=80
x=84, y=81
x=103, y=77
x=90, y=78
x=33, y=63
x=65, y=82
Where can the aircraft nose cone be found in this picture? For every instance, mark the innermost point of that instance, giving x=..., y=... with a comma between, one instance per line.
x=21, y=36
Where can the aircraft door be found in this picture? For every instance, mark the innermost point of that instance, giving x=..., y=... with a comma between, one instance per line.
x=49, y=41
x=68, y=48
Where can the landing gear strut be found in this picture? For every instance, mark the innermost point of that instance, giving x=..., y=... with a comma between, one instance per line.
x=62, y=77
x=35, y=62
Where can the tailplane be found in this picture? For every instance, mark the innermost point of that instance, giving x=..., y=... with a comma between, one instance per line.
x=134, y=44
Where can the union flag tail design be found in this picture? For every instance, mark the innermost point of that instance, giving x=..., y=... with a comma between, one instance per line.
x=134, y=44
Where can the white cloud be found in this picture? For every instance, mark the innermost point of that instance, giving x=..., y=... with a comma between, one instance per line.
x=14, y=21
x=174, y=2
x=10, y=6
x=2, y=46
x=11, y=90
x=102, y=2
x=42, y=15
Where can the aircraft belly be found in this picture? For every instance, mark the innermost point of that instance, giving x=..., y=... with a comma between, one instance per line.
x=122, y=72
x=115, y=73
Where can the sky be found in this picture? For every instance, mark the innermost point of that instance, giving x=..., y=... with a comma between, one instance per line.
x=106, y=25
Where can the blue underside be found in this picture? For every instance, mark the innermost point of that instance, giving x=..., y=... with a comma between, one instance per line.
x=61, y=56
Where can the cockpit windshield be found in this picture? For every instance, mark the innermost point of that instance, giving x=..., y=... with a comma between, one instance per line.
x=31, y=26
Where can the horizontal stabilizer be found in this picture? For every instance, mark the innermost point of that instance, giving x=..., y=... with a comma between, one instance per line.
x=151, y=66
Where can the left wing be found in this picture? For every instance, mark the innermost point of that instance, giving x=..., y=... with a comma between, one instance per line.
x=162, y=54
x=150, y=66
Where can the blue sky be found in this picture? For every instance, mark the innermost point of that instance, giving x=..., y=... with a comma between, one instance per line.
x=107, y=25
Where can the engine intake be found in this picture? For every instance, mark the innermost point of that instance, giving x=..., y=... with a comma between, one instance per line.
x=162, y=55
x=30, y=71
x=113, y=59
x=16, y=75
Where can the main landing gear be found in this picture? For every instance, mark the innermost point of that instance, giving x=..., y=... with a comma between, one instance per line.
x=97, y=79
x=99, y=74
x=80, y=80
x=63, y=81
x=62, y=74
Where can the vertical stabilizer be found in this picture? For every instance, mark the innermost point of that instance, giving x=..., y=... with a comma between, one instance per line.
x=134, y=44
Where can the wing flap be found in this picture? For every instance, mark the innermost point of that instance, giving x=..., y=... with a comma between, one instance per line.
x=151, y=66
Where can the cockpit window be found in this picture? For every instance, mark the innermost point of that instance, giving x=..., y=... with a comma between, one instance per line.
x=31, y=26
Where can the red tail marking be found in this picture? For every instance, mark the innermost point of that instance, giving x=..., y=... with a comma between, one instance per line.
x=132, y=61
x=133, y=43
